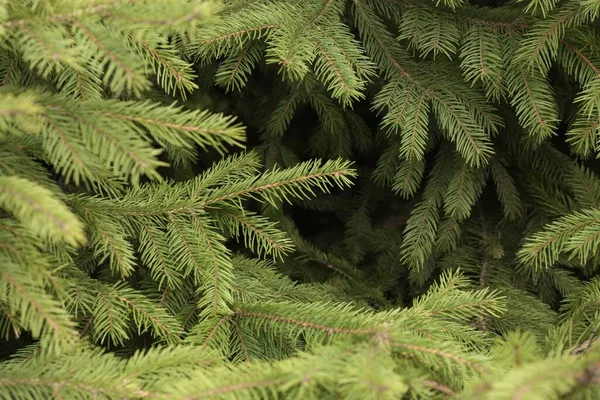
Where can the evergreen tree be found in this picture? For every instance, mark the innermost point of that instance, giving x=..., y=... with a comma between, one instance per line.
x=326, y=199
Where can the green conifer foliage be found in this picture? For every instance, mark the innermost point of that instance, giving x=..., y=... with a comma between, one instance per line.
x=311, y=199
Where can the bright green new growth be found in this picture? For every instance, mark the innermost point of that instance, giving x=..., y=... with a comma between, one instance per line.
x=117, y=281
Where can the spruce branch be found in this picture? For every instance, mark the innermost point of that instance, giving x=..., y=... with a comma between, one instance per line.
x=217, y=278
x=126, y=72
x=282, y=185
x=118, y=229
x=463, y=191
x=481, y=59
x=422, y=225
x=260, y=234
x=540, y=44
x=24, y=296
x=173, y=74
x=155, y=253
x=575, y=234
x=408, y=177
x=40, y=211
x=234, y=72
x=506, y=189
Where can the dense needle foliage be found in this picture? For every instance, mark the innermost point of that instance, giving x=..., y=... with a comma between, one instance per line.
x=299, y=199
